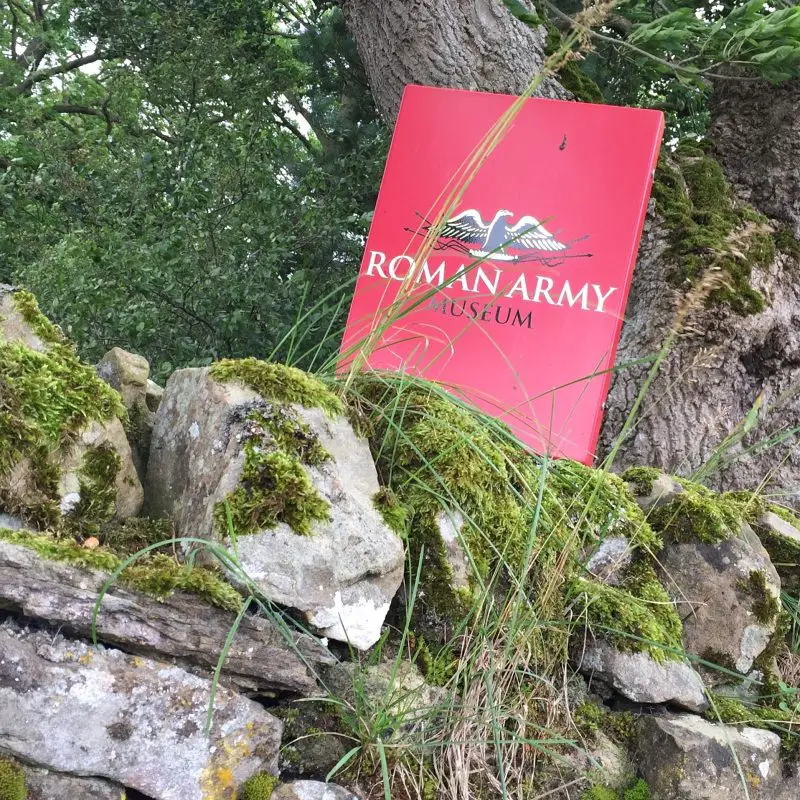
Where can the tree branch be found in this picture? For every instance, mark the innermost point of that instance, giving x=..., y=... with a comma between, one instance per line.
x=292, y=128
x=68, y=66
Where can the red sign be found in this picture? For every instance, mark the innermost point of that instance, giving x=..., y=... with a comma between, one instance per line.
x=513, y=290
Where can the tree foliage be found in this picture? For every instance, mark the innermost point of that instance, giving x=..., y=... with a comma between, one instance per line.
x=187, y=178
x=182, y=177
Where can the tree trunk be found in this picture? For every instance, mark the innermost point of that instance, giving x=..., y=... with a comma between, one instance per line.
x=452, y=43
x=724, y=362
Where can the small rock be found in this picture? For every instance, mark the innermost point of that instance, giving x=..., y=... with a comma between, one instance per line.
x=311, y=790
x=450, y=524
x=728, y=597
x=664, y=490
x=638, y=677
x=72, y=708
x=92, y=543
x=609, y=559
x=10, y=522
x=684, y=757
x=153, y=395
x=127, y=373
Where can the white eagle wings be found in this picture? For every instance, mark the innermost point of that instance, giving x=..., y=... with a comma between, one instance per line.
x=494, y=238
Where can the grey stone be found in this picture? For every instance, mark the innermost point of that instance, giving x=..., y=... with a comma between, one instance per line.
x=45, y=785
x=128, y=373
x=344, y=575
x=71, y=708
x=450, y=524
x=311, y=790
x=10, y=522
x=153, y=395
x=663, y=491
x=612, y=556
x=637, y=676
x=710, y=585
x=684, y=757
x=181, y=626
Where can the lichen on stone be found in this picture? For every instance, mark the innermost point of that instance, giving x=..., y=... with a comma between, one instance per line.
x=278, y=383
x=258, y=787
x=710, y=229
x=12, y=781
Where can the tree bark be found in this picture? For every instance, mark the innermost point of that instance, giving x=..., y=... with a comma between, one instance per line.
x=722, y=363
x=451, y=43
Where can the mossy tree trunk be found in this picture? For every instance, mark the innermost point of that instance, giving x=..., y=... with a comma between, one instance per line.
x=739, y=349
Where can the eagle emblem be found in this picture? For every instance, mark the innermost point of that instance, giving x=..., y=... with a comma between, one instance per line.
x=497, y=239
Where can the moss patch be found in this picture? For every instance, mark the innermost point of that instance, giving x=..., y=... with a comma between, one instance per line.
x=279, y=383
x=259, y=787
x=531, y=519
x=45, y=399
x=157, y=575
x=570, y=74
x=698, y=514
x=766, y=608
x=641, y=479
x=734, y=712
x=274, y=485
x=98, y=491
x=394, y=513
x=639, y=606
x=12, y=781
x=709, y=229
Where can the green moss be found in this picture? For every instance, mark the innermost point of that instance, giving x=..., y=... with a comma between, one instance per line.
x=288, y=434
x=639, y=791
x=157, y=575
x=439, y=457
x=273, y=488
x=259, y=787
x=279, y=383
x=641, y=479
x=47, y=398
x=437, y=668
x=786, y=242
x=394, y=514
x=27, y=306
x=12, y=781
x=599, y=792
x=570, y=74
x=639, y=606
x=698, y=514
x=708, y=229
x=766, y=608
x=734, y=712
x=128, y=536
x=98, y=491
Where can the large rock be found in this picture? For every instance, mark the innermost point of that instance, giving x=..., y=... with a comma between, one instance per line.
x=638, y=677
x=181, y=626
x=71, y=708
x=728, y=595
x=683, y=757
x=63, y=450
x=342, y=575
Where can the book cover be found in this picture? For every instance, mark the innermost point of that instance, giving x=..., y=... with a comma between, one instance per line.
x=514, y=301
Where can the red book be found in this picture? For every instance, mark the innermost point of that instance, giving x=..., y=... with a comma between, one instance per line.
x=516, y=304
